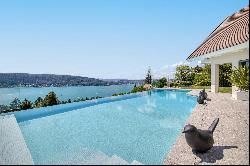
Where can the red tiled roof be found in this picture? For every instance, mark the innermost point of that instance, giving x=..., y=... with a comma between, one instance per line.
x=232, y=31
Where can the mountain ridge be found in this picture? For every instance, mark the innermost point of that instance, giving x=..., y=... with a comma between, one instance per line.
x=45, y=80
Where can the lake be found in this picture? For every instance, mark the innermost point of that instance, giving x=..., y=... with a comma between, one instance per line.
x=63, y=93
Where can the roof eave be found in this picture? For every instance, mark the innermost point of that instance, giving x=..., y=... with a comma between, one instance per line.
x=220, y=52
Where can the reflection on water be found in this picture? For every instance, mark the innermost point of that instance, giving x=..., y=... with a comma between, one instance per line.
x=150, y=105
x=162, y=104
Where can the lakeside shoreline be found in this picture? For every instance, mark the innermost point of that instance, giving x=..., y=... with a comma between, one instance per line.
x=64, y=93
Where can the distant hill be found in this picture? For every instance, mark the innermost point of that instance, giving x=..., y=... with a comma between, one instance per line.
x=46, y=80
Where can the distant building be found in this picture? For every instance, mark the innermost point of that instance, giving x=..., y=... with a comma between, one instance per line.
x=147, y=86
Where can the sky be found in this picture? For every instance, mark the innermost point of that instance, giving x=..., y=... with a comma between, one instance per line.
x=109, y=39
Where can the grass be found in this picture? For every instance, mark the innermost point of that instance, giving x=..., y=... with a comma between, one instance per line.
x=196, y=87
x=225, y=89
x=221, y=89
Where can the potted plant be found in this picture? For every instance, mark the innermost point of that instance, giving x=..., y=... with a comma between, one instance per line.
x=240, y=79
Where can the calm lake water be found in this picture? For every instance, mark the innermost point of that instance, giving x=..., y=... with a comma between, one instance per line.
x=63, y=93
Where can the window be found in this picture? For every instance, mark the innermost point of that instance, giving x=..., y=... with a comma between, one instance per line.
x=244, y=63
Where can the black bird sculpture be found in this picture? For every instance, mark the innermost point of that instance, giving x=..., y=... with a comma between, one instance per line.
x=200, y=140
x=202, y=97
x=204, y=94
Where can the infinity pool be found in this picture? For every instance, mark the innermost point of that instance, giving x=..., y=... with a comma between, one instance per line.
x=142, y=128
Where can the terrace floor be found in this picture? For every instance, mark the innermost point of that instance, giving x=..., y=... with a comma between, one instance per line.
x=231, y=135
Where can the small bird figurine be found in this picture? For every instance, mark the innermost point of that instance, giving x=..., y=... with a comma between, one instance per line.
x=200, y=99
x=202, y=96
x=200, y=140
x=203, y=93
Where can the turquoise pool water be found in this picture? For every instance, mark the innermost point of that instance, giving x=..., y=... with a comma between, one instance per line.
x=142, y=128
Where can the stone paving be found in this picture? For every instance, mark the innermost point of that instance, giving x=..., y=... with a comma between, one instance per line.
x=231, y=135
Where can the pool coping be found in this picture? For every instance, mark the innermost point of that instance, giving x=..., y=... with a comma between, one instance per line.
x=14, y=150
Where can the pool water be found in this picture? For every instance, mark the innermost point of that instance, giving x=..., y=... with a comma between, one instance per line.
x=139, y=129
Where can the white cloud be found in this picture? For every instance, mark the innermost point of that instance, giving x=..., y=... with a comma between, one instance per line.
x=168, y=71
x=181, y=63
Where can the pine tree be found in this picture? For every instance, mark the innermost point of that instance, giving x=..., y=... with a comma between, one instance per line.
x=148, y=79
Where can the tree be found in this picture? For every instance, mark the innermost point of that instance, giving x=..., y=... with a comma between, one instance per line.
x=203, y=78
x=38, y=103
x=225, y=74
x=26, y=104
x=15, y=104
x=161, y=83
x=184, y=75
x=50, y=99
x=148, y=79
x=197, y=69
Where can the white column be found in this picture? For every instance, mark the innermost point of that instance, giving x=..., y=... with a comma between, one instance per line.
x=215, y=78
x=234, y=88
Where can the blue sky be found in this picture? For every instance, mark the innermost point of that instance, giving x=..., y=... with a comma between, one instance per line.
x=105, y=38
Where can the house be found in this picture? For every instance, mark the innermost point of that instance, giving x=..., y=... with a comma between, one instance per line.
x=228, y=43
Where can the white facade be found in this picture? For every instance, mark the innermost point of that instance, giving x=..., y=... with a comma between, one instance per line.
x=231, y=55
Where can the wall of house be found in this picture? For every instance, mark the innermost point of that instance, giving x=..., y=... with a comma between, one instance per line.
x=233, y=58
x=230, y=57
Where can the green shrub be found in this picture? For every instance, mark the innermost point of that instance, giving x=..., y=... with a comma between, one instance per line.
x=51, y=99
x=26, y=104
x=4, y=108
x=64, y=102
x=185, y=83
x=161, y=83
x=174, y=84
x=202, y=79
x=15, y=104
x=225, y=73
x=240, y=78
x=38, y=103
x=138, y=89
